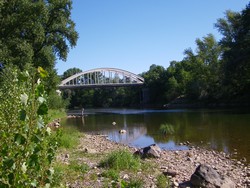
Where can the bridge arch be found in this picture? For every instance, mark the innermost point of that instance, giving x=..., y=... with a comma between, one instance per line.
x=102, y=77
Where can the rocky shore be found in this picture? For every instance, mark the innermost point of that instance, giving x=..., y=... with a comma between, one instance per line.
x=177, y=165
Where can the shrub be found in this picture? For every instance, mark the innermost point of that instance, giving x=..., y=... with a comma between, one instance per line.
x=27, y=145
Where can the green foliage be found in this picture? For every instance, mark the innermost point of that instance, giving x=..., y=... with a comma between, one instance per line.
x=121, y=160
x=27, y=145
x=134, y=183
x=167, y=129
x=69, y=137
x=55, y=114
x=36, y=32
x=80, y=168
x=55, y=101
x=70, y=72
x=162, y=181
x=112, y=174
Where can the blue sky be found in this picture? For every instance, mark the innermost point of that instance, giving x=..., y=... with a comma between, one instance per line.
x=134, y=34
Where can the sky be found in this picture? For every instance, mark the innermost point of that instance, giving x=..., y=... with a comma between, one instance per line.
x=134, y=34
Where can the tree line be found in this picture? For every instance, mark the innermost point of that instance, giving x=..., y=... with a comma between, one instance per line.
x=216, y=72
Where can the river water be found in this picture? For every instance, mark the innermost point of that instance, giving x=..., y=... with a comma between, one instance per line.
x=222, y=130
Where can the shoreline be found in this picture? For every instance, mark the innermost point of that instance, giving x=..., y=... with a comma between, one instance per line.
x=182, y=163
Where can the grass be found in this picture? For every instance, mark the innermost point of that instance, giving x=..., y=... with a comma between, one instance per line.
x=111, y=174
x=133, y=183
x=55, y=114
x=69, y=137
x=121, y=160
x=162, y=181
x=166, y=129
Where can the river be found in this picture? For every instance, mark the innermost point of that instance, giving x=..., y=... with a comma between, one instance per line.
x=221, y=130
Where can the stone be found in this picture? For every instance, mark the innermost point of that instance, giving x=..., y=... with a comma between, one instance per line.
x=122, y=131
x=206, y=176
x=126, y=177
x=176, y=184
x=88, y=150
x=66, y=156
x=153, y=151
x=171, y=173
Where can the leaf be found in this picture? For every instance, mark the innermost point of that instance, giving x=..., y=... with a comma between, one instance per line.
x=8, y=163
x=48, y=130
x=19, y=139
x=42, y=72
x=40, y=123
x=43, y=109
x=24, y=98
x=24, y=167
x=39, y=90
x=22, y=115
x=41, y=100
x=23, y=76
x=33, y=183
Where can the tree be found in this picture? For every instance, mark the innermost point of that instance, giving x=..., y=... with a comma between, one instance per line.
x=155, y=82
x=36, y=32
x=236, y=59
x=204, y=67
x=70, y=72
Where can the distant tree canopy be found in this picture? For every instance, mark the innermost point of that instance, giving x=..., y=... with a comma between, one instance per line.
x=215, y=71
x=36, y=32
x=70, y=72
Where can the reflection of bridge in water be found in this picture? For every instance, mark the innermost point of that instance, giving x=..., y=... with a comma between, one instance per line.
x=102, y=77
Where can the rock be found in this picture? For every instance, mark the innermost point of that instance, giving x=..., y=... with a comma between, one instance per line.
x=126, y=177
x=176, y=184
x=170, y=173
x=205, y=176
x=87, y=150
x=122, y=131
x=66, y=156
x=153, y=151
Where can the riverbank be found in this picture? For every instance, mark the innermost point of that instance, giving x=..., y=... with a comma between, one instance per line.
x=178, y=166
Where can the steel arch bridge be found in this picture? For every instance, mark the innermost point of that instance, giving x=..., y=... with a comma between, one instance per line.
x=102, y=77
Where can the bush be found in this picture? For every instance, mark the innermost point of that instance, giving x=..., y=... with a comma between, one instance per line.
x=27, y=145
x=121, y=160
x=55, y=101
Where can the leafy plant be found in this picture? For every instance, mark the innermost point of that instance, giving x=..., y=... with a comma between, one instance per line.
x=27, y=146
x=121, y=160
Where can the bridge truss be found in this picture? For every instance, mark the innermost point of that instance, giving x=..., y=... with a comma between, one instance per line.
x=102, y=77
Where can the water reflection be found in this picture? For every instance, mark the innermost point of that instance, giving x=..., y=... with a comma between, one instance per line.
x=220, y=130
